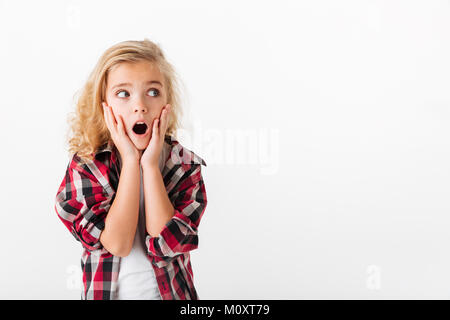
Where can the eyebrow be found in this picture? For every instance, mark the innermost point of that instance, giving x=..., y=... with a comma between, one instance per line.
x=125, y=84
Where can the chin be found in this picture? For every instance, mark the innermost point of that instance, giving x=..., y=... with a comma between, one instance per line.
x=140, y=145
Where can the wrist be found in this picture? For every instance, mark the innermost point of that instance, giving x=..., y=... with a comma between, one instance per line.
x=150, y=168
x=130, y=161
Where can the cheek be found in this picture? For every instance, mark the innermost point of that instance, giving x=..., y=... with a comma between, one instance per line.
x=119, y=114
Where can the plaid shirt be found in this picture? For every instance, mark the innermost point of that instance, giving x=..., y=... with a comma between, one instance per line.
x=88, y=191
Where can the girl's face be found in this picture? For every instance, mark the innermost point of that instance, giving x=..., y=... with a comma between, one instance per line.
x=136, y=91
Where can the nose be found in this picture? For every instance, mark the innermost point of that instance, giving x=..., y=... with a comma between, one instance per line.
x=140, y=108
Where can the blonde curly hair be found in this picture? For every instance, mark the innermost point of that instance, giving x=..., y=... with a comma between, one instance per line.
x=87, y=127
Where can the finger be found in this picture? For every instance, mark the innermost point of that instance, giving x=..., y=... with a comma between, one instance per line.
x=155, y=127
x=164, y=121
x=111, y=124
x=163, y=115
x=112, y=117
x=106, y=116
x=167, y=117
x=120, y=124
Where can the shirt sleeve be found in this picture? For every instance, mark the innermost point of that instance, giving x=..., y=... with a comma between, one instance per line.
x=82, y=204
x=180, y=234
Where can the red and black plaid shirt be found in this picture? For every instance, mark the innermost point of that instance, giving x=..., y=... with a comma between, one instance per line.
x=85, y=196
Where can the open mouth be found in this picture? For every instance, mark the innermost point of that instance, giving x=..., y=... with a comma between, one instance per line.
x=140, y=128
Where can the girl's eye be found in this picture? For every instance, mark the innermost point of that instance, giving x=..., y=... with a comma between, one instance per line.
x=155, y=92
x=119, y=92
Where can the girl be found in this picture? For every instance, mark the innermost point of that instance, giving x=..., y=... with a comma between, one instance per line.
x=132, y=195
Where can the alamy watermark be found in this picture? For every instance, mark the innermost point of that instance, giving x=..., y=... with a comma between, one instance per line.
x=73, y=16
x=373, y=281
x=254, y=147
x=74, y=277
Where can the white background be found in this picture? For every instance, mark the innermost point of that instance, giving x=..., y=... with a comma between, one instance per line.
x=324, y=125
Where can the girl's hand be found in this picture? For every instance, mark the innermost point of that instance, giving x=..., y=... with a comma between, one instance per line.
x=123, y=143
x=150, y=157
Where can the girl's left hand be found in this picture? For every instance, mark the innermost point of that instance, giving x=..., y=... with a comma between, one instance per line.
x=150, y=156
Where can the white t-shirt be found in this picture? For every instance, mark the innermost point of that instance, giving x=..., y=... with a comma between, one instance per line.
x=137, y=279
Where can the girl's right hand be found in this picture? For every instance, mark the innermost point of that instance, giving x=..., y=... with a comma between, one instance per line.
x=123, y=143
